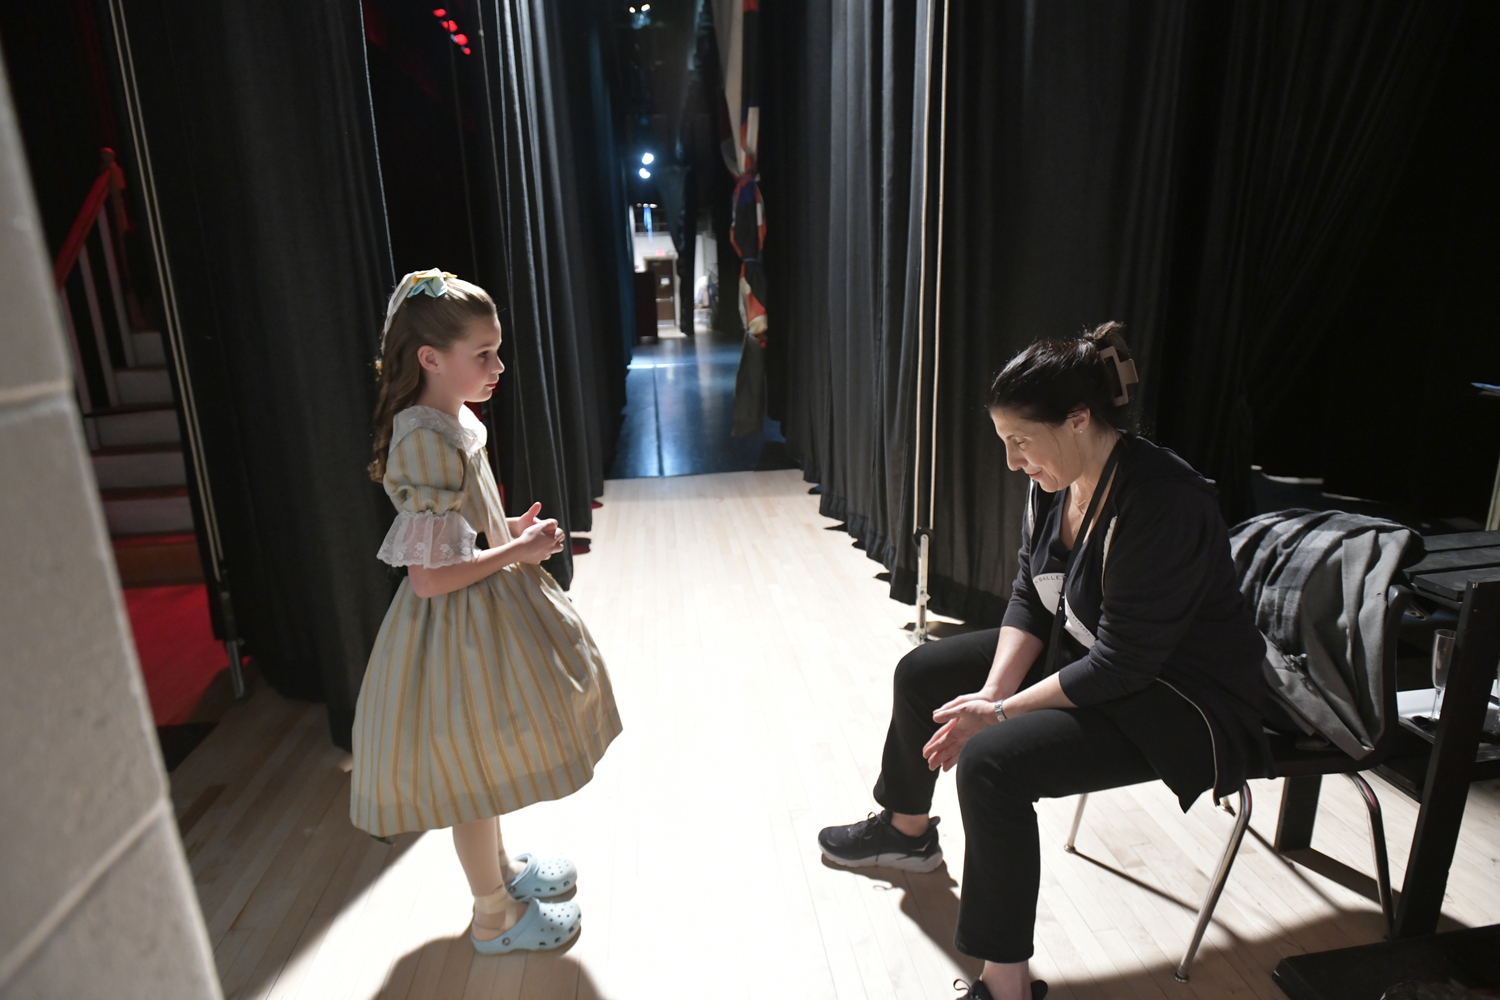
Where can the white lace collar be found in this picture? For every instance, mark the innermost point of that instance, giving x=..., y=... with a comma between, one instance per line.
x=467, y=433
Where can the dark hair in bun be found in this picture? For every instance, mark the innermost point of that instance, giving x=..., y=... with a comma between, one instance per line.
x=1053, y=378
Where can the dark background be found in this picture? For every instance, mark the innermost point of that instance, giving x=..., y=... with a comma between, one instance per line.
x=1288, y=204
x=1384, y=409
x=1292, y=206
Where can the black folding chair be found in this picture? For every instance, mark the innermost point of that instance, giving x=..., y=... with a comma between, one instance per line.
x=1303, y=766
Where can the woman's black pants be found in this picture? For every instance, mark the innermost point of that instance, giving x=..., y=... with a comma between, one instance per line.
x=1002, y=771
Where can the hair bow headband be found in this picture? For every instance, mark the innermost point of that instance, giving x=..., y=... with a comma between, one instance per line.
x=432, y=282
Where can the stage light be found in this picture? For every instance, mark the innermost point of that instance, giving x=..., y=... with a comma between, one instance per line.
x=645, y=173
x=645, y=7
x=632, y=10
x=461, y=39
x=440, y=12
x=466, y=50
x=647, y=158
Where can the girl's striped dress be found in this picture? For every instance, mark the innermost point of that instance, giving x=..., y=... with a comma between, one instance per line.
x=481, y=701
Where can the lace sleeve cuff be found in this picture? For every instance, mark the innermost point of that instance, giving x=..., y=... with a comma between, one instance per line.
x=429, y=540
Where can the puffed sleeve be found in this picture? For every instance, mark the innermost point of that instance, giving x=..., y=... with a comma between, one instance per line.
x=424, y=477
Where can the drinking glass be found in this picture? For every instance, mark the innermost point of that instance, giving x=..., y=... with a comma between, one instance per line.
x=1442, y=659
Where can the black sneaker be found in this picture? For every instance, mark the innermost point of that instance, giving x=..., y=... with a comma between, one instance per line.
x=874, y=841
x=979, y=991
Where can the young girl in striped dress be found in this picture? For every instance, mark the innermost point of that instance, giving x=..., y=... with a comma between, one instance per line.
x=485, y=692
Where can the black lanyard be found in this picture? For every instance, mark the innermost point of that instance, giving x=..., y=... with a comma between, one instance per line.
x=1054, y=647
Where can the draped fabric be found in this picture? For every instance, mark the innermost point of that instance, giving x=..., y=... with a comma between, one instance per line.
x=555, y=250
x=1320, y=103
x=274, y=222
x=748, y=230
x=275, y=249
x=1088, y=154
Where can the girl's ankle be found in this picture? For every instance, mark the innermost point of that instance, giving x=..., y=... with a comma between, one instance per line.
x=511, y=871
x=495, y=914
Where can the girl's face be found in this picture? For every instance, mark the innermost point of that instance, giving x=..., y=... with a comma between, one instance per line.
x=470, y=368
x=1048, y=454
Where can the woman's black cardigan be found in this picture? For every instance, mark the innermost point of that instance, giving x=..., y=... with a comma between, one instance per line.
x=1155, y=586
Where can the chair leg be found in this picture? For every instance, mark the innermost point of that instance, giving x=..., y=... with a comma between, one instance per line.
x=1377, y=841
x=1083, y=800
x=1216, y=887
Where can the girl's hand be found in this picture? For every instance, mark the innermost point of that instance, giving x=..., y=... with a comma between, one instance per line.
x=961, y=718
x=518, y=525
x=540, y=540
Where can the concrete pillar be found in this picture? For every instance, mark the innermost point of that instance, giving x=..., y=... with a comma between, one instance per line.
x=95, y=895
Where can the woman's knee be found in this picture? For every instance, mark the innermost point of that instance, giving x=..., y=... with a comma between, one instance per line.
x=918, y=671
x=990, y=764
x=943, y=669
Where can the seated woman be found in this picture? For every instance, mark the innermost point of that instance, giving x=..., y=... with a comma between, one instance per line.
x=1160, y=671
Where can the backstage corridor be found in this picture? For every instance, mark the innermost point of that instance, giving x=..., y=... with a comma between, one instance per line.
x=680, y=404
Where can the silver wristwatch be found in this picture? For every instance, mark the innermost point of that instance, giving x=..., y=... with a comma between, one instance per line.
x=1000, y=709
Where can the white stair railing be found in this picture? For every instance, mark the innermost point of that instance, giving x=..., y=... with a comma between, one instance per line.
x=92, y=234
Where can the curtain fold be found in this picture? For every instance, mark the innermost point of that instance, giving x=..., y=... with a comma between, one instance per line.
x=557, y=256
x=1320, y=104
x=273, y=230
x=273, y=219
x=1180, y=167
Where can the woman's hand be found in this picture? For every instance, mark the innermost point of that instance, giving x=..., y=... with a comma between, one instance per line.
x=539, y=540
x=961, y=718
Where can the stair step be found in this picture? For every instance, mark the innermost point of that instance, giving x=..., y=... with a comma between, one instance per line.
x=124, y=426
x=146, y=465
x=162, y=559
x=143, y=510
x=144, y=386
x=149, y=347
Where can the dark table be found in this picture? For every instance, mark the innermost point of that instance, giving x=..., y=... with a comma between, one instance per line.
x=1462, y=572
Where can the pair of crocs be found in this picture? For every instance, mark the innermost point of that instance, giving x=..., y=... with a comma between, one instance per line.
x=543, y=925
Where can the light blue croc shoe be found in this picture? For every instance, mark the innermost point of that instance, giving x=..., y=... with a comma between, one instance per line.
x=543, y=926
x=543, y=879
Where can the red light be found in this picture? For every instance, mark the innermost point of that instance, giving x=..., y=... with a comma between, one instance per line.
x=451, y=25
x=440, y=12
x=461, y=39
x=466, y=50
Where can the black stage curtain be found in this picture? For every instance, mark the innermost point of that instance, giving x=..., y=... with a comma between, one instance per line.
x=263, y=149
x=557, y=254
x=1320, y=105
x=1386, y=409
x=264, y=145
x=1095, y=158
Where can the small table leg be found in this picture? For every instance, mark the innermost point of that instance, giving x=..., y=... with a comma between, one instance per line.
x=1450, y=768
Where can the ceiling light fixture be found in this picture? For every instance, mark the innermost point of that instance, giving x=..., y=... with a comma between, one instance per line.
x=645, y=173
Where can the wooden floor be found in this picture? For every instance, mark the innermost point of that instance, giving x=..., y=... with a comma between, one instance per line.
x=751, y=651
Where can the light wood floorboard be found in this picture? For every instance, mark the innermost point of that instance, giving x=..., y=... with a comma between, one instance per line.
x=751, y=652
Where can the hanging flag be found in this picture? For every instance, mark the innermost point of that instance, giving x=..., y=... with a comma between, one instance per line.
x=749, y=230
